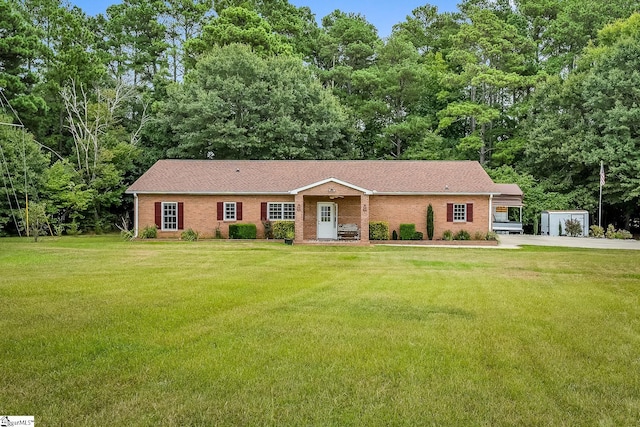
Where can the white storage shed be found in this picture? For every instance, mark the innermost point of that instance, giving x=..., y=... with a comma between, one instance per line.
x=552, y=223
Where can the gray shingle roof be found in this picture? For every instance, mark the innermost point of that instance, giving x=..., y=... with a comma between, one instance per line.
x=283, y=176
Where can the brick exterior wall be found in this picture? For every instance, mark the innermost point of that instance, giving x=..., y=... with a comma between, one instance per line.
x=398, y=210
x=200, y=212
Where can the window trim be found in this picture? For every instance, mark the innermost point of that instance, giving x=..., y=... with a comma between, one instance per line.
x=282, y=211
x=164, y=217
x=459, y=212
x=224, y=211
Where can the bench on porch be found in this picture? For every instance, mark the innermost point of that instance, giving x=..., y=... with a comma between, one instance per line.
x=348, y=232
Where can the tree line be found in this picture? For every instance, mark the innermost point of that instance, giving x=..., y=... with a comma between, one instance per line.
x=538, y=92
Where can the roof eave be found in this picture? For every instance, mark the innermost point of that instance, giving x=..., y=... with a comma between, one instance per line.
x=290, y=193
x=213, y=193
x=293, y=192
x=432, y=193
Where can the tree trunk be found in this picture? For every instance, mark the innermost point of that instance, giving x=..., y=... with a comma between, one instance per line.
x=483, y=147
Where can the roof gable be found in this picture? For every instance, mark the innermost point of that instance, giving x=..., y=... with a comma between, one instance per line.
x=328, y=180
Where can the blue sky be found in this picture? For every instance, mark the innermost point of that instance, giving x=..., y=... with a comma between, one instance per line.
x=381, y=13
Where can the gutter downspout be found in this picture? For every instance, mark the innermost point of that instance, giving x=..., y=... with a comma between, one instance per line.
x=490, y=212
x=135, y=215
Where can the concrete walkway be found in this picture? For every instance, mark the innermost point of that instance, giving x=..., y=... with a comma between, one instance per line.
x=516, y=240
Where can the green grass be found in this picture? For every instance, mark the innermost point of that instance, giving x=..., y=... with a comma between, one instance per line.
x=96, y=331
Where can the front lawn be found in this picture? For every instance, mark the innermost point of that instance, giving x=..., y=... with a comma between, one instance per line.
x=96, y=331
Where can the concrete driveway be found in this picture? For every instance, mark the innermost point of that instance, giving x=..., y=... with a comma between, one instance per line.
x=516, y=240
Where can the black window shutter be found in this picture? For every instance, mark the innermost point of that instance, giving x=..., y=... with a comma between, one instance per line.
x=158, y=208
x=180, y=215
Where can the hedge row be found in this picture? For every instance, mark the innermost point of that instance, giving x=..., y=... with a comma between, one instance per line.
x=242, y=231
x=378, y=230
x=408, y=232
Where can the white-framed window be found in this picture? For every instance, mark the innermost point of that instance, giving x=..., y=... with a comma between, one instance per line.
x=279, y=211
x=169, y=215
x=230, y=211
x=459, y=213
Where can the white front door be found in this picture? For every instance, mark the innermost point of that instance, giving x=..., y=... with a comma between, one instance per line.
x=327, y=221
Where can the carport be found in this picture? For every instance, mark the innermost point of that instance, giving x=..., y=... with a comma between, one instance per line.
x=507, y=209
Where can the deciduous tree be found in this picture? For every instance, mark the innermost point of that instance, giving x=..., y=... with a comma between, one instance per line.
x=104, y=151
x=22, y=166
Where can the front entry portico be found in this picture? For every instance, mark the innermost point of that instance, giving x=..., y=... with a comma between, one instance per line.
x=331, y=210
x=327, y=220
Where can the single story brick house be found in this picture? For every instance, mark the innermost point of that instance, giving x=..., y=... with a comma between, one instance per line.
x=319, y=196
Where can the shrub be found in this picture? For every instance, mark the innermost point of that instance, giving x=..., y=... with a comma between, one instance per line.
x=38, y=223
x=624, y=234
x=394, y=235
x=407, y=231
x=492, y=235
x=127, y=234
x=218, y=233
x=189, y=235
x=462, y=235
x=378, y=230
x=101, y=227
x=268, y=229
x=612, y=233
x=447, y=235
x=596, y=231
x=243, y=231
x=58, y=229
x=281, y=228
x=619, y=234
x=149, y=232
x=479, y=235
x=430, y=222
x=573, y=227
x=417, y=236
x=74, y=229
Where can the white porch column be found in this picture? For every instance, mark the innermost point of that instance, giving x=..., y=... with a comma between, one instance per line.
x=135, y=215
x=491, y=212
x=520, y=214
